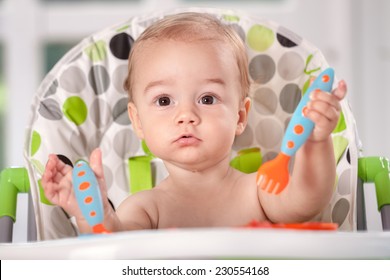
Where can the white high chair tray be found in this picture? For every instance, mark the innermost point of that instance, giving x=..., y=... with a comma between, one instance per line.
x=209, y=244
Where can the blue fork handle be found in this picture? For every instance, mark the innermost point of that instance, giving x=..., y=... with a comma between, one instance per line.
x=87, y=193
x=300, y=127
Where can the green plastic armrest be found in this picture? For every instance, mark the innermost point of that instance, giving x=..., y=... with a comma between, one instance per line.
x=12, y=182
x=376, y=170
x=140, y=170
x=140, y=173
x=247, y=160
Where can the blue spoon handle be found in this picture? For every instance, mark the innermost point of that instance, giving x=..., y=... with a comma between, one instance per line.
x=87, y=193
x=300, y=127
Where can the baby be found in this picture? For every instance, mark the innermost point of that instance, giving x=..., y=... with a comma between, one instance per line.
x=188, y=89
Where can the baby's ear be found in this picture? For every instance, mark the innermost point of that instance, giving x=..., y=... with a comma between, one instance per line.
x=243, y=115
x=134, y=118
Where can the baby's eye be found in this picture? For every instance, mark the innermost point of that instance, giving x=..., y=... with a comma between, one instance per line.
x=163, y=101
x=208, y=100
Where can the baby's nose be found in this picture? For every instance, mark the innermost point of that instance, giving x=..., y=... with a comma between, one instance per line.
x=187, y=115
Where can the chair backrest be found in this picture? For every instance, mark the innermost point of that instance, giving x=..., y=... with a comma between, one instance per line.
x=81, y=104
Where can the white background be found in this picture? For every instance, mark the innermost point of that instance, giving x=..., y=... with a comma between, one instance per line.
x=277, y=269
x=353, y=35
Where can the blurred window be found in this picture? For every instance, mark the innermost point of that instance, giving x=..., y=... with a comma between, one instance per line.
x=240, y=1
x=86, y=1
x=2, y=107
x=53, y=52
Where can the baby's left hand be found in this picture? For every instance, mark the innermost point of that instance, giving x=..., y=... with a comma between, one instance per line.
x=324, y=110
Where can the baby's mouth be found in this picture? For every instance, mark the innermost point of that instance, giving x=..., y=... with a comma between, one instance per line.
x=187, y=140
x=185, y=136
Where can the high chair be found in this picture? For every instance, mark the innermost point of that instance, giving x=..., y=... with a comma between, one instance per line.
x=81, y=104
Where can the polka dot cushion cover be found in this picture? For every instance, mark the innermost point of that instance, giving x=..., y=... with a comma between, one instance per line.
x=81, y=104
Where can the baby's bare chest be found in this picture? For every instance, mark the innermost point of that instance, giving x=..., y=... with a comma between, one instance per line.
x=224, y=210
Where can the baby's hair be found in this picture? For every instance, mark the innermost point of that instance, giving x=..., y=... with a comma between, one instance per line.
x=192, y=27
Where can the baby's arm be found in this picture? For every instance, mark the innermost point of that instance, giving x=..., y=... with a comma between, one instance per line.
x=312, y=181
x=138, y=211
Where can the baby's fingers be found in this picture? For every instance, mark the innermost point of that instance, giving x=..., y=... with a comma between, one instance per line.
x=55, y=169
x=96, y=164
x=58, y=193
x=324, y=101
x=95, y=161
x=321, y=113
x=341, y=90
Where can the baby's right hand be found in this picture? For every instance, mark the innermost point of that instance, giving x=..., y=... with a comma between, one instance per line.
x=57, y=185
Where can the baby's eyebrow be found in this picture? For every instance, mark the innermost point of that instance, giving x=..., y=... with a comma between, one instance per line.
x=158, y=83
x=216, y=81
x=164, y=82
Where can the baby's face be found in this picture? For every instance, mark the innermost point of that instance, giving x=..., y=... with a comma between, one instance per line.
x=187, y=99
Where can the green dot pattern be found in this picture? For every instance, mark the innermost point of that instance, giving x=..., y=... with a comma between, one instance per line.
x=35, y=142
x=260, y=38
x=75, y=110
x=97, y=51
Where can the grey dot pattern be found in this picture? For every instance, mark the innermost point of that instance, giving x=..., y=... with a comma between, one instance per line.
x=121, y=178
x=265, y=101
x=345, y=188
x=78, y=142
x=99, y=79
x=290, y=73
x=52, y=89
x=120, y=114
x=290, y=96
x=100, y=113
x=269, y=133
x=244, y=140
x=73, y=80
x=262, y=68
x=126, y=144
x=118, y=78
x=340, y=211
x=50, y=109
x=108, y=176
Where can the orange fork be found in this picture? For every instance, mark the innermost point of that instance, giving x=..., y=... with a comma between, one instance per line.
x=273, y=176
x=274, y=173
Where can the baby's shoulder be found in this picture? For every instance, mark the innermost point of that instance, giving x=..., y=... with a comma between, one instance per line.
x=143, y=197
x=244, y=185
x=244, y=179
x=142, y=205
